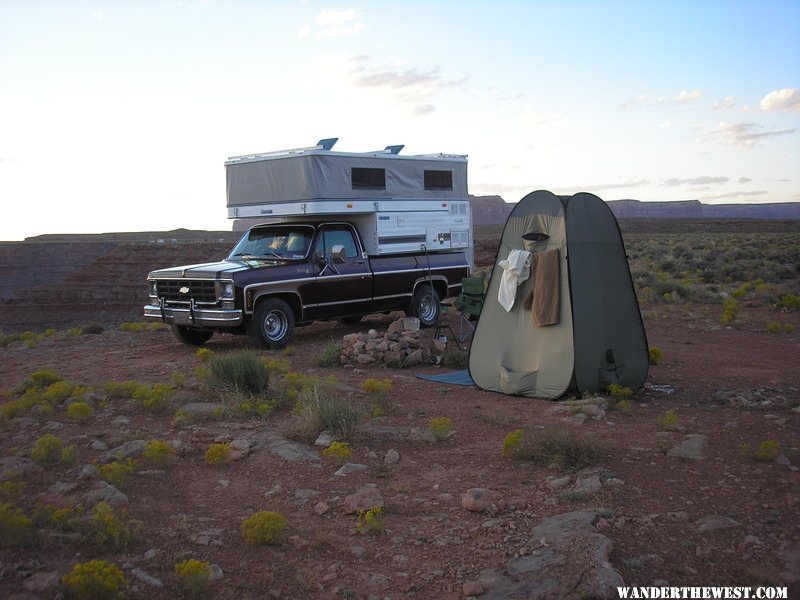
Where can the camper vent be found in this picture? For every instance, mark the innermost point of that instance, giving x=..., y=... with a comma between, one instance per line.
x=458, y=208
x=459, y=239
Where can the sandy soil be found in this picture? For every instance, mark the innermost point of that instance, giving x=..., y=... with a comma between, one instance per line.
x=429, y=546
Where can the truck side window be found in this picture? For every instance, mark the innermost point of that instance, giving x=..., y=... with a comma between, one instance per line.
x=328, y=238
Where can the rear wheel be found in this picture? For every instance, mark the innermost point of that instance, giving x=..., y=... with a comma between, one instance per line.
x=273, y=324
x=425, y=306
x=191, y=335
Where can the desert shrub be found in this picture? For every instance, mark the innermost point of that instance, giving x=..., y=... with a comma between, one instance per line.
x=40, y=379
x=108, y=529
x=117, y=472
x=135, y=327
x=624, y=406
x=92, y=329
x=776, y=328
x=193, y=575
x=241, y=371
x=251, y=407
x=338, y=452
x=561, y=448
x=12, y=489
x=95, y=580
x=619, y=392
x=204, y=354
x=72, y=332
x=329, y=356
x=57, y=392
x=289, y=351
x=65, y=519
x=177, y=379
x=369, y=521
x=512, y=443
x=573, y=497
x=789, y=302
x=669, y=420
x=264, y=527
x=79, y=412
x=15, y=527
x=158, y=452
x=277, y=366
x=655, y=355
x=121, y=389
x=768, y=450
x=730, y=310
x=440, y=427
x=455, y=359
x=46, y=450
x=69, y=455
x=218, y=454
x=377, y=388
x=155, y=398
x=182, y=417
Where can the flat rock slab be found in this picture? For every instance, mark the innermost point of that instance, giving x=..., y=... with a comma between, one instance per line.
x=281, y=447
x=572, y=562
x=715, y=522
x=14, y=466
x=131, y=449
x=348, y=468
x=691, y=448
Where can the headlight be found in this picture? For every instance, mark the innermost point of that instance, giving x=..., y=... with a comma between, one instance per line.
x=153, y=285
x=226, y=290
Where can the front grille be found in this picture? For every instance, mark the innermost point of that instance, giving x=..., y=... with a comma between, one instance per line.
x=201, y=291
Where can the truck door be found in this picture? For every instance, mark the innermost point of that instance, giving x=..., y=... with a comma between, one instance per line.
x=343, y=288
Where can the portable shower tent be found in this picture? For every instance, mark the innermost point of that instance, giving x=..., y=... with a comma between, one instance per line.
x=595, y=336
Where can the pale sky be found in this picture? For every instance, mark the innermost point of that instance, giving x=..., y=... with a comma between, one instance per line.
x=118, y=115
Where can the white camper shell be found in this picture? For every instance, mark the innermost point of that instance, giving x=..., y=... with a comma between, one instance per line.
x=398, y=203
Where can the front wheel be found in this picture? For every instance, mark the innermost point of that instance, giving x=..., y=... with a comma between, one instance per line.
x=425, y=306
x=191, y=335
x=273, y=324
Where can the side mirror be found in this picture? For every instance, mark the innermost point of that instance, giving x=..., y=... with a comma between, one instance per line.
x=337, y=254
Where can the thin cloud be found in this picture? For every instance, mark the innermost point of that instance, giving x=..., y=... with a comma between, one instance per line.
x=704, y=180
x=423, y=109
x=746, y=135
x=734, y=195
x=666, y=124
x=744, y=180
x=785, y=99
x=99, y=15
x=338, y=23
x=682, y=98
x=685, y=97
x=612, y=186
x=400, y=79
x=727, y=103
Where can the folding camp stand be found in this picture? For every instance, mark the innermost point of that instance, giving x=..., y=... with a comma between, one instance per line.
x=468, y=304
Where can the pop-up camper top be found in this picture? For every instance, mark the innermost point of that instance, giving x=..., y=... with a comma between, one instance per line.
x=399, y=204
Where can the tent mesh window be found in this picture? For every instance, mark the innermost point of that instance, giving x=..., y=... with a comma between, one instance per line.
x=438, y=180
x=368, y=179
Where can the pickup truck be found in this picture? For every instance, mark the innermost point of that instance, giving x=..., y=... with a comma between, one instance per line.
x=279, y=276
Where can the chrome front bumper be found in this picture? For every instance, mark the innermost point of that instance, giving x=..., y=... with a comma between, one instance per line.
x=193, y=316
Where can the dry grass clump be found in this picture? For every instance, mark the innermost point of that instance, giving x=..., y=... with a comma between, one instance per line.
x=369, y=521
x=455, y=359
x=768, y=450
x=655, y=355
x=669, y=420
x=329, y=356
x=239, y=371
x=158, y=452
x=264, y=527
x=108, y=529
x=117, y=472
x=555, y=448
x=319, y=409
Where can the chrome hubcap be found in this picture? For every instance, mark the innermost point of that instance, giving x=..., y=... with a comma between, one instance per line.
x=427, y=308
x=275, y=326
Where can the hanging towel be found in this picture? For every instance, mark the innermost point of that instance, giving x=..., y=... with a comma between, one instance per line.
x=516, y=269
x=544, y=299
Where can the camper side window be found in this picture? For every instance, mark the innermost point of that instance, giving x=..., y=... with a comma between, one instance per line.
x=328, y=238
x=438, y=180
x=368, y=179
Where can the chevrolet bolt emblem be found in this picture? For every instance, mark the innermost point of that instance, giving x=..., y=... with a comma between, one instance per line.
x=184, y=290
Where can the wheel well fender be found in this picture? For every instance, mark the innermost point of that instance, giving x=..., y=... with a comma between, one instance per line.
x=439, y=283
x=291, y=298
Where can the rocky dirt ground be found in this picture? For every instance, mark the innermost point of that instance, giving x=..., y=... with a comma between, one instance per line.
x=666, y=502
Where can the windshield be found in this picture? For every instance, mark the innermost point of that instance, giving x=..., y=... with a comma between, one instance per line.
x=274, y=241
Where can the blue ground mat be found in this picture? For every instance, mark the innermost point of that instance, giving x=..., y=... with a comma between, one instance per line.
x=453, y=377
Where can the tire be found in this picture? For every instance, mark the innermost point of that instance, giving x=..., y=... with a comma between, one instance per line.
x=272, y=325
x=425, y=306
x=351, y=320
x=191, y=336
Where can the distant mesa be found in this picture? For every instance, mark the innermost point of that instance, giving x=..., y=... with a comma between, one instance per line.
x=493, y=210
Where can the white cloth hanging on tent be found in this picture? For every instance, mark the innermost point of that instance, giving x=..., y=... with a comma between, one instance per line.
x=516, y=269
